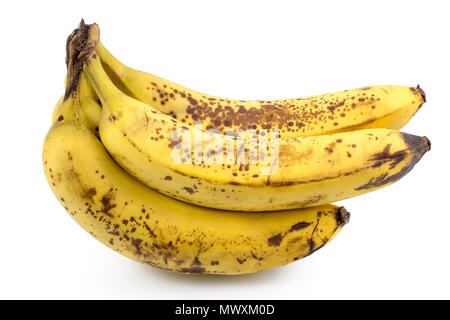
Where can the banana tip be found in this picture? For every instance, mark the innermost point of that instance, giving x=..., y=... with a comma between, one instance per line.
x=422, y=93
x=428, y=143
x=424, y=145
x=343, y=216
x=418, y=144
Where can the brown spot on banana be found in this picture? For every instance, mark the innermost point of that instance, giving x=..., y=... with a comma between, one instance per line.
x=89, y=194
x=196, y=262
x=189, y=190
x=386, y=156
x=136, y=243
x=116, y=116
x=275, y=241
x=198, y=270
x=300, y=226
x=107, y=204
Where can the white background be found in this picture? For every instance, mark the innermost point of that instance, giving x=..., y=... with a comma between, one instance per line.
x=397, y=243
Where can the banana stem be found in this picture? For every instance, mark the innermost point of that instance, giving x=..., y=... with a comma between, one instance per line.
x=79, y=42
x=108, y=59
x=114, y=69
x=80, y=45
x=99, y=80
x=82, y=56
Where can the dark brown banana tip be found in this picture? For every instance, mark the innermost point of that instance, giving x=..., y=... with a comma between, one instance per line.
x=422, y=93
x=419, y=145
x=416, y=146
x=342, y=216
x=428, y=142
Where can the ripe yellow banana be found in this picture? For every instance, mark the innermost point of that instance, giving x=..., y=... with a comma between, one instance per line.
x=369, y=107
x=303, y=172
x=149, y=227
x=93, y=110
x=57, y=110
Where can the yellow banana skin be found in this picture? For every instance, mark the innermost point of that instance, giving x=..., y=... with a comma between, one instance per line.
x=312, y=170
x=370, y=107
x=149, y=227
x=396, y=119
x=57, y=110
x=92, y=109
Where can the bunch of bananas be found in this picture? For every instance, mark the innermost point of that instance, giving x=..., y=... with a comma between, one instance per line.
x=193, y=183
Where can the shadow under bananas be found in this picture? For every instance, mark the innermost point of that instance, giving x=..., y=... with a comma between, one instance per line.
x=200, y=279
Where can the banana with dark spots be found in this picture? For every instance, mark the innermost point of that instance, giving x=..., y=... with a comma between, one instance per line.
x=384, y=106
x=165, y=233
x=307, y=171
x=92, y=109
x=101, y=161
